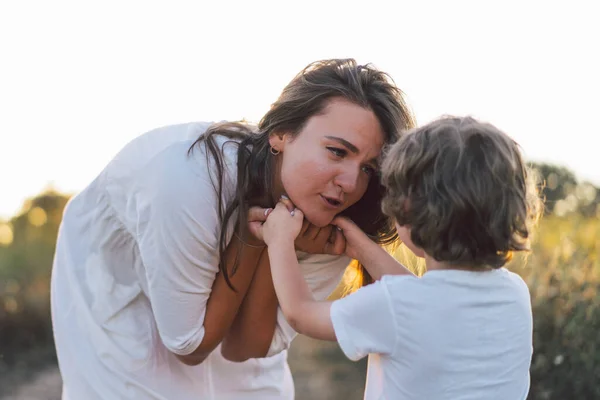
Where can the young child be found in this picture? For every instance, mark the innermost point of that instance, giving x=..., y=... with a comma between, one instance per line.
x=464, y=200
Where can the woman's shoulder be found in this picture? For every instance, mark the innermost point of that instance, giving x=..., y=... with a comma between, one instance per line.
x=171, y=147
x=149, y=144
x=184, y=166
x=164, y=164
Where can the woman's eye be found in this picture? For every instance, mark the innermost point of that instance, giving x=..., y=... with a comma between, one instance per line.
x=337, y=152
x=369, y=170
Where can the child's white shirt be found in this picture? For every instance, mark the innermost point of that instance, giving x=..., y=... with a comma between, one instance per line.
x=449, y=335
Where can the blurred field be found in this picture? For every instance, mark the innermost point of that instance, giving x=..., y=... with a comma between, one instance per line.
x=563, y=273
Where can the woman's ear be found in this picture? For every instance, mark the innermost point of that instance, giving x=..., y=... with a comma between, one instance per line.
x=277, y=141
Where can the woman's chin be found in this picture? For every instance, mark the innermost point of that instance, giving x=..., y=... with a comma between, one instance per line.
x=319, y=220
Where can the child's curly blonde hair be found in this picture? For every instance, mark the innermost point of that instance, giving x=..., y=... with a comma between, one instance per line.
x=464, y=190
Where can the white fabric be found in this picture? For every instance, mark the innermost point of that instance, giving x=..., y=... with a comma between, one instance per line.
x=458, y=335
x=134, y=266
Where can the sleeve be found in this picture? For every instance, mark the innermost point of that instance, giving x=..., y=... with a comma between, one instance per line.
x=323, y=273
x=177, y=229
x=364, y=322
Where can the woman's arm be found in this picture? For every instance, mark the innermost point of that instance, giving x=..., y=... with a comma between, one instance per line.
x=251, y=333
x=224, y=303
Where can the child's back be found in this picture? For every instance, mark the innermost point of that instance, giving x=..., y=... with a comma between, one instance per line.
x=464, y=200
x=452, y=334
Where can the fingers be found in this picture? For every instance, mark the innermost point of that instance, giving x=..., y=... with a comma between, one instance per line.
x=339, y=245
x=256, y=229
x=343, y=223
x=258, y=214
x=298, y=214
x=294, y=212
x=287, y=202
x=336, y=244
x=280, y=206
x=256, y=217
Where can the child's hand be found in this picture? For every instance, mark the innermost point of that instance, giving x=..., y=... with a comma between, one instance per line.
x=311, y=239
x=356, y=239
x=282, y=225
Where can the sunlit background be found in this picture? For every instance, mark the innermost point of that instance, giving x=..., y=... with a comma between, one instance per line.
x=79, y=79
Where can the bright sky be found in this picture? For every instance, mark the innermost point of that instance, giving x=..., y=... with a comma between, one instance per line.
x=80, y=79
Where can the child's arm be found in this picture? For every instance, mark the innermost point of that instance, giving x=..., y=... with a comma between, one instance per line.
x=376, y=260
x=303, y=313
x=362, y=323
x=252, y=333
x=379, y=262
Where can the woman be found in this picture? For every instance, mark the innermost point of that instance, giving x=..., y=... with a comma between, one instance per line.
x=159, y=291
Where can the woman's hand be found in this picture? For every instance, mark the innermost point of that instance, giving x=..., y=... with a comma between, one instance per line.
x=315, y=240
x=311, y=239
x=252, y=236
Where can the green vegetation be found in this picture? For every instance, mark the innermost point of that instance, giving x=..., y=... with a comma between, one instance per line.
x=563, y=274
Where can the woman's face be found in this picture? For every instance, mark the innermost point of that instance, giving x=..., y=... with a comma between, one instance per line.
x=326, y=168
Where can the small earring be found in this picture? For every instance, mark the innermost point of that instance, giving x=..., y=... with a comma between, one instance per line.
x=274, y=151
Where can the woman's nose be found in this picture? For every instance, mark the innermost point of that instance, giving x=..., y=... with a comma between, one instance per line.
x=348, y=180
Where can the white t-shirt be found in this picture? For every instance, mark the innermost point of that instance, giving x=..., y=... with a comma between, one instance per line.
x=450, y=335
x=135, y=261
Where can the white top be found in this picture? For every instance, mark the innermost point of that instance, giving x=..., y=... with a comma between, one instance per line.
x=135, y=261
x=450, y=335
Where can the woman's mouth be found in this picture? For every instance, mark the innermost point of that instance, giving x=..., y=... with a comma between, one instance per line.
x=331, y=202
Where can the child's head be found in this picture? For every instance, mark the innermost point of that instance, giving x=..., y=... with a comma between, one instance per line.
x=463, y=191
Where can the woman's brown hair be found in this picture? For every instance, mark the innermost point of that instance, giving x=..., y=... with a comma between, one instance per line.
x=305, y=96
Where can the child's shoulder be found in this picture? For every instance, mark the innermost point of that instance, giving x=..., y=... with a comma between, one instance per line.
x=516, y=281
x=402, y=282
x=404, y=279
x=460, y=278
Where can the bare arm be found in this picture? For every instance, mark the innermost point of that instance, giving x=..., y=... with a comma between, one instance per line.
x=304, y=314
x=251, y=333
x=376, y=260
x=379, y=262
x=224, y=303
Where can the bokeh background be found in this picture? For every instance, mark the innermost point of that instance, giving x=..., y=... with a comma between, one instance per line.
x=78, y=80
